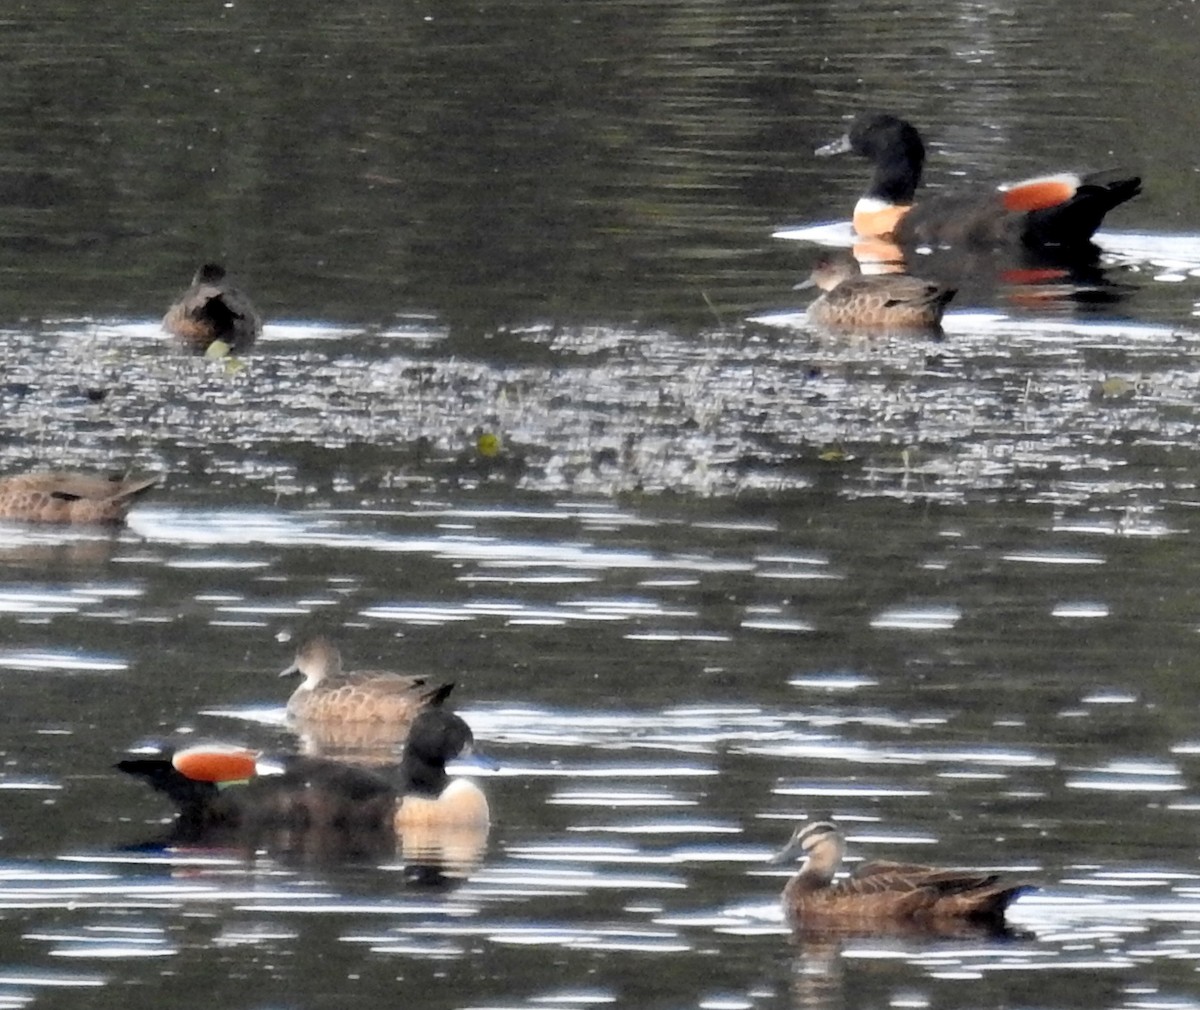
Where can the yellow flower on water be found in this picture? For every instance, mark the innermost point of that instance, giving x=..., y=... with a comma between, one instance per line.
x=488, y=445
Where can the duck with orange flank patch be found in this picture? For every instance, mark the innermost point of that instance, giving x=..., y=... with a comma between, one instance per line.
x=851, y=300
x=221, y=790
x=1061, y=211
x=70, y=498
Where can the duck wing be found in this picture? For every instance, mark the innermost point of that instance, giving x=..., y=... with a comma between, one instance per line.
x=917, y=891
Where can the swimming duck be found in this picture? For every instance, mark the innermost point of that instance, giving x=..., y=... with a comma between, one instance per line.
x=1052, y=211
x=213, y=310
x=330, y=695
x=853, y=301
x=884, y=891
x=70, y=498
x=219, y=789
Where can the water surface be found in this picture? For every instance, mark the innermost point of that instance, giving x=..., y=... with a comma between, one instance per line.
x=721, y=574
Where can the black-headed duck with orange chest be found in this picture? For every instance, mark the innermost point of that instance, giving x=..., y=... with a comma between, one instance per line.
x=1061, y=211
x=223, y=790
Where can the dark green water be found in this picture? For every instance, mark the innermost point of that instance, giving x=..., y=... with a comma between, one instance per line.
x=724, y=573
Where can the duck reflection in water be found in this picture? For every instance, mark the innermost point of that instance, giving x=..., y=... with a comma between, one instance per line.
x=886, y=897
x=355, y=715
x=319, y=809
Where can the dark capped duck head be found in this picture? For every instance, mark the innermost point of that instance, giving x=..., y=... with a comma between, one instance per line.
x=821, y=846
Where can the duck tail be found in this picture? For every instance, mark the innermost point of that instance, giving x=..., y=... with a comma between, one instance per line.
x=992, y=905
x=132, y=489
x=438, y=693
x=942, y=297
x=190, y=797
x=1075, y=220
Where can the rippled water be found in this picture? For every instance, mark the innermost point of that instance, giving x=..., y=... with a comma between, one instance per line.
x=663, y=709
x=722, y=574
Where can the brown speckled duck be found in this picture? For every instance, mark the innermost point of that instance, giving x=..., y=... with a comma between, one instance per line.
x=330, y=695
x=213, y=312
x=70, y=498
x=1060, y=211
x=883, y=891
x=879, y=302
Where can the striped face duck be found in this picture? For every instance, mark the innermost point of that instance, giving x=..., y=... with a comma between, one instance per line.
x=222, y=791
x=332, y=696
x=70, y=498
x=1052, y=212
x=853, y=301
x=213, y=317
x=884, y=892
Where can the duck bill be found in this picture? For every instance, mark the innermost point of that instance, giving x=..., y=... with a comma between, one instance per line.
x=291, y=671
x=787, y=854
x=808, y=283
x=839, y=146
x=471, y=758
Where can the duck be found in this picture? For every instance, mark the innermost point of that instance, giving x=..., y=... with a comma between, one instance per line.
x=884, y=892
x=221, y=790
x=854, y=301
x=331, y=696
x=70, y=498
x=212, y=316
x=1061, y=211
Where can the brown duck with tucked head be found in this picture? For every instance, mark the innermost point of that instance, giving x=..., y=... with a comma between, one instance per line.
x=1059, y=211
x=882, y=891
x=876, y=303
x=213, y=312
x=70, y=498
x=331, y=695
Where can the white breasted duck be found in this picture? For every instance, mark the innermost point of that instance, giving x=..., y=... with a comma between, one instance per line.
x=220, y=790
x=1060, y=211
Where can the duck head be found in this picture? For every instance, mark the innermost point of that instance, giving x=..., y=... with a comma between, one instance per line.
x=822, y=847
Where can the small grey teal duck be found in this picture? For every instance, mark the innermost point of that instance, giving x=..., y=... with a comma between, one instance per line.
x=884, y=891
x=331, y=695
x=70, y=498
x=878, y=302
x=213, y=310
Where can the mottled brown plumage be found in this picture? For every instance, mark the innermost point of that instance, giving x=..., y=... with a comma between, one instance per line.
x=884, y=891
x=331, y=695
x=70, y=498
x=211, y=310
x=879, y=302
